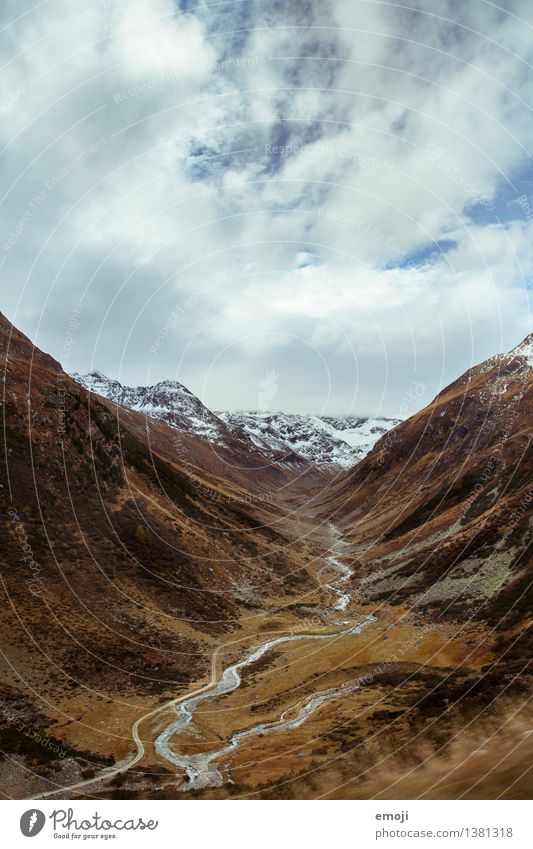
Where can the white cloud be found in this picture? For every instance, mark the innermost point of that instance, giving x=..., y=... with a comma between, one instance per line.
x=151, y=39
x=296, y=165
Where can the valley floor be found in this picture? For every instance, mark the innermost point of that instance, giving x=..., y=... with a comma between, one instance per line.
x=331, y=697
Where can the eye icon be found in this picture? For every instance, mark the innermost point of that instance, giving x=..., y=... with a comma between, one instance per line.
x=32, y=822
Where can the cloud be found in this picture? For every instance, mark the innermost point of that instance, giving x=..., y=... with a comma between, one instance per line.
x=327, y=185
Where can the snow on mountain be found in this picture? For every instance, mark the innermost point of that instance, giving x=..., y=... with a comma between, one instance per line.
x=278, y=437
x=525, y=350
x=168, y=401
x=324, y=440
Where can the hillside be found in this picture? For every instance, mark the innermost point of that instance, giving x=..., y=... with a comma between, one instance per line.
x=124, y=554
x=344, y=630
x=439, y=513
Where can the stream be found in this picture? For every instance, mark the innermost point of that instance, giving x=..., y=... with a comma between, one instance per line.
x=201, y=769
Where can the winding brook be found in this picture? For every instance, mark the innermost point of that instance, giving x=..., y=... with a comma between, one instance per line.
x=201, y=769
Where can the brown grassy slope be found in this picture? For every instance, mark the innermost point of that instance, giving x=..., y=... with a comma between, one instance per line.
x=121, y=560
x=439, y=514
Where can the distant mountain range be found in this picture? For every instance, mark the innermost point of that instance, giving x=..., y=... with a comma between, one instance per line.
x=278, y=437
x=168, y=401
x=321, y=439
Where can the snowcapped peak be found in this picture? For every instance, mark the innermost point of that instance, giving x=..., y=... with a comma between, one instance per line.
x=168, y=401
x=323, y=440
x=285, y=438
x=525, y=349
x=100, y=384
x=91, y=376
x=172, y=386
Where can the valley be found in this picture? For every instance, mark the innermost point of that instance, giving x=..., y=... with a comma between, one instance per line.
x=198, y=617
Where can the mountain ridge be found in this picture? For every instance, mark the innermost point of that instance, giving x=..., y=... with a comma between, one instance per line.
x=284, y=438
x=428, y=510
x=325, y=440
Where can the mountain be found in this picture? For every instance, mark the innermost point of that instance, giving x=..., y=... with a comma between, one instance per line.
x=169, y=401
x=127, y=549
x=80, y=468
x=233, y=453
x=438, y=515
x=264, y=630
x=286, y=439
x=326, y=441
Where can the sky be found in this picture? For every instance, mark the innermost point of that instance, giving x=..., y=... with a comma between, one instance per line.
x=329, y=198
